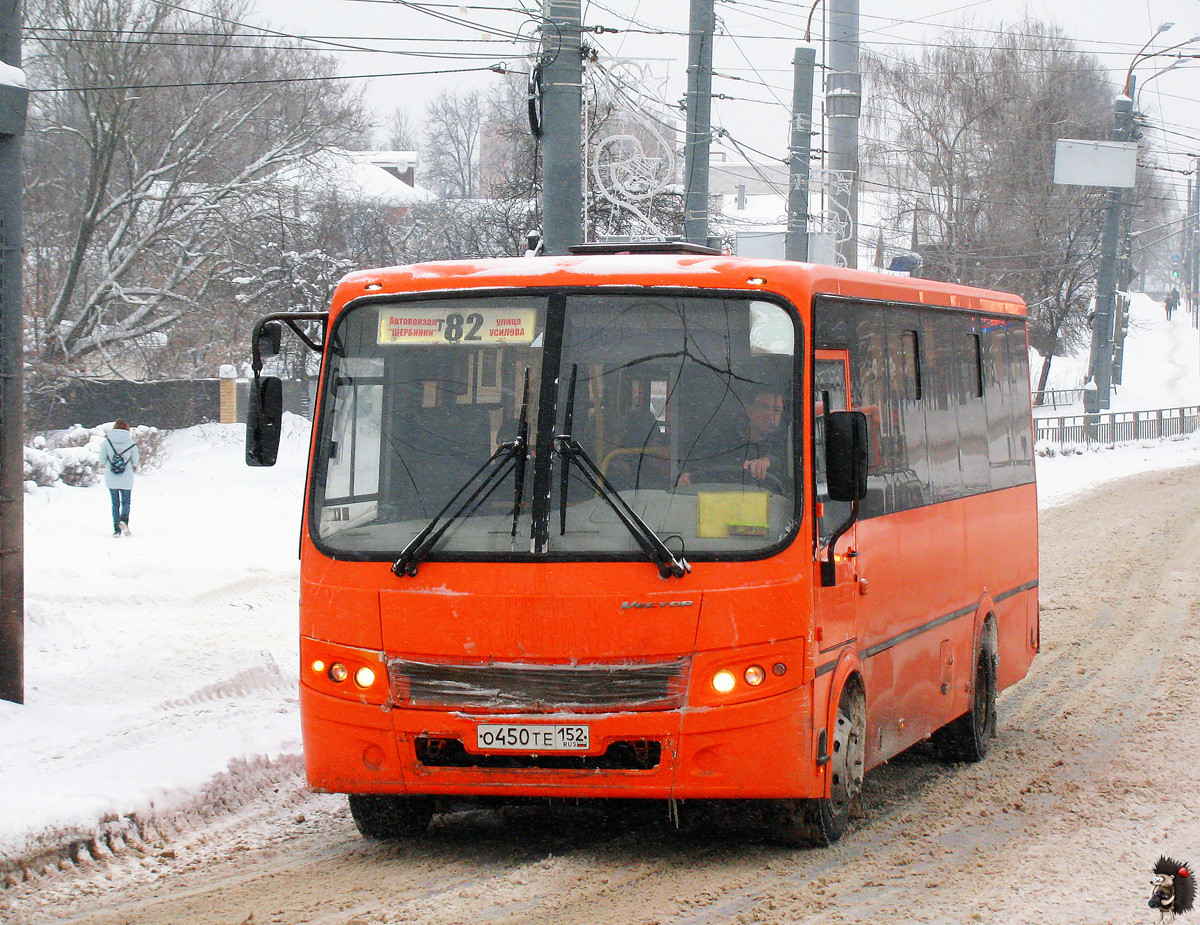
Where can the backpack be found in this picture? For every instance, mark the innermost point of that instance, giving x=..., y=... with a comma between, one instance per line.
x=118, y=462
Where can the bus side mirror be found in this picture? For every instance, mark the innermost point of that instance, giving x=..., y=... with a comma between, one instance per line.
x=264, y=421
x=846, y=455
x=270, y=337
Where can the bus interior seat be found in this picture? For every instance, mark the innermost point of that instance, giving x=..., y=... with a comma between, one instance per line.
x=641, y=458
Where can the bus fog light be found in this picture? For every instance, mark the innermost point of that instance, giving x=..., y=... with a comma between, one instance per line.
x=755, y=676
x=338, y=672
x=364, y=677
x=318, y=666
x=723, y=681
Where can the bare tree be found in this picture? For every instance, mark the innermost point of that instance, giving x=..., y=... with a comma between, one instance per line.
x=158, y=123
x=483, y=159
x=451, y=155
x=401, y=133
x=964, y=143
x=508, y=151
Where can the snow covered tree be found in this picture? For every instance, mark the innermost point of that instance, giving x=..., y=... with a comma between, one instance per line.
x=158, y=125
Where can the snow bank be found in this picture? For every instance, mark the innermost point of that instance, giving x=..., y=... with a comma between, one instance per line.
x=154, y=661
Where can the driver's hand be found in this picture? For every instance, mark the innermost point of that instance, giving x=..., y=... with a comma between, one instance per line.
x=757, y=467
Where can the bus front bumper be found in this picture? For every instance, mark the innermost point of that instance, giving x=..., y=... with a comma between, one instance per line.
x=753, y=750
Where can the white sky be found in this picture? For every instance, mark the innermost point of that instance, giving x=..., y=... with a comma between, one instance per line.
x=154, y=661
x=757, y=47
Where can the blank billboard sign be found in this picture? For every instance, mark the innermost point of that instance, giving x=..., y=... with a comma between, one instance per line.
x=1095, y=163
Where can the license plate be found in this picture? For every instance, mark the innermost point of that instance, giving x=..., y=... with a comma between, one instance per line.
x=532, y=739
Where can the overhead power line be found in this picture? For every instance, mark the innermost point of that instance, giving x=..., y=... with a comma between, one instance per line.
x=265, y=80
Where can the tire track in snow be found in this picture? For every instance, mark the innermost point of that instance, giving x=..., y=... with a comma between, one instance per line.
x=1068, y=779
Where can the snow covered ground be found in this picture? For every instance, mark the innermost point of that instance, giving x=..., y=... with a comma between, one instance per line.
x=160, y=662
x=1162, y=363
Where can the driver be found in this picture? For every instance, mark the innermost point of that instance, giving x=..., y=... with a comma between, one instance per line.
x=757, y=444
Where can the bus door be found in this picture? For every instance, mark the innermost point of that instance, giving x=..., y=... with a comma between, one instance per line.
x=836, y=606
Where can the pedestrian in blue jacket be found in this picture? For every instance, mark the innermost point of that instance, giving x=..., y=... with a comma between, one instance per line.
x=119, y=457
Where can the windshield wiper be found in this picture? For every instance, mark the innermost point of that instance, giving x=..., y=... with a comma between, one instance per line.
x=669, y=565
x=522, y=441
x=564, y=483
x=508, y=457
x=568, y=448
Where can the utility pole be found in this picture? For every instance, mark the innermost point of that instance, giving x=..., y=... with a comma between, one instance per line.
x=800, y=152
x=1101, y=360
x=562, y=105
x=13, y=97
x=1192, y=283
x=698, y=135
x=843, y=103
x=1181, y=272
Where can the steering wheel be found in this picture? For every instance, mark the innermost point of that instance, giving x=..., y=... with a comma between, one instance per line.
x=732, y=473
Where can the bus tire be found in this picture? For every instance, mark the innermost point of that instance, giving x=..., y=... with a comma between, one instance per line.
x=969, y=737
x=822, y=821
x=385, y=815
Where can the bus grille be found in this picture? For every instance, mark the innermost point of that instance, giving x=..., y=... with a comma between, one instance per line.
x=636, y=755
x=503, y=686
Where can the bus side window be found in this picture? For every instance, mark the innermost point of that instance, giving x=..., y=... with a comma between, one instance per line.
x=829, y=395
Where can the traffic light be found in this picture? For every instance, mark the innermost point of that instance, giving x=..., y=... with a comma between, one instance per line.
x=1175, y=260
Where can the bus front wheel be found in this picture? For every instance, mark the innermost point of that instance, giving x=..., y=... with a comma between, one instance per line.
x=822, y=821
x=385, y=815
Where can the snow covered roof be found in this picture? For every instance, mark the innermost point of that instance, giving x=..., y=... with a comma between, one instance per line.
x=394, y=160
x=759, y=212
x=358, y=176
x=12, y=76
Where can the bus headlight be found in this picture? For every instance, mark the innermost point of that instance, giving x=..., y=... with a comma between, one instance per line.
x=755, y=676
x=338, y=672
x=723, y=681
x=364, y=677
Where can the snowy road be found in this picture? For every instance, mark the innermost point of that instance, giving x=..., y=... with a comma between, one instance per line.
x=1092, y=777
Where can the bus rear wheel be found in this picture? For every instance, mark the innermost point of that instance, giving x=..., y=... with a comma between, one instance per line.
x=822, y=821
x=968, y=737
x=386, y=815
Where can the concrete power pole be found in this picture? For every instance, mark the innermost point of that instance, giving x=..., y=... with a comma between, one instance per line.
x=843, y=103
x=799, y=152
x=1101, y=360
x=698, y=135
x=562, y=106
x=1192, y=287
x=13, y=97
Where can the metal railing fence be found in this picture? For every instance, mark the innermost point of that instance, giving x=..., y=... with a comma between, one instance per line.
x=1052, y=398
x=1110, y=428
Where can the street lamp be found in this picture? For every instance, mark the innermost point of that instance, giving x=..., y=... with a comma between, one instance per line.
x=808, y=27
x=1133, y=89
x=1141, y=54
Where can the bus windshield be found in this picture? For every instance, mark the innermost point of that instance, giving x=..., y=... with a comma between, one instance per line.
x=678, y=405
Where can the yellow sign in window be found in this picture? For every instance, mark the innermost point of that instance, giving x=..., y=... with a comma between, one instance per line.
x=732, y=513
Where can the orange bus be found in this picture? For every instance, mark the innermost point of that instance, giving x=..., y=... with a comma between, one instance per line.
x=661, y=525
